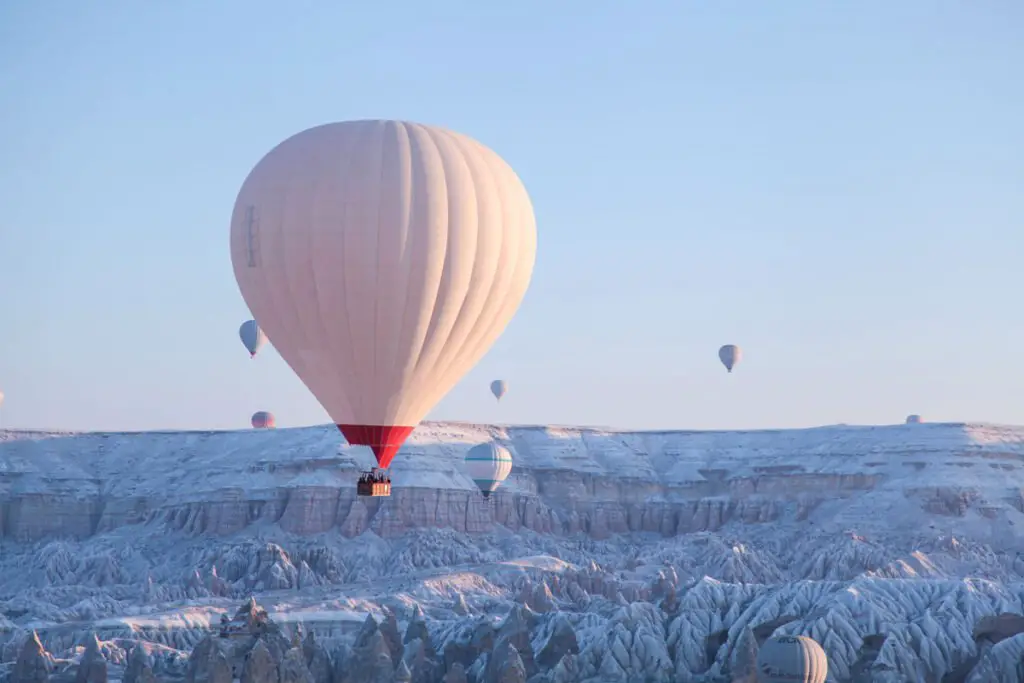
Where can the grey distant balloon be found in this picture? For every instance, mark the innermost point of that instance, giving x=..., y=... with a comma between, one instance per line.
x=498, y=388
x=791, y=659
x=913, y=419
x=730, y=355
x=252, y=337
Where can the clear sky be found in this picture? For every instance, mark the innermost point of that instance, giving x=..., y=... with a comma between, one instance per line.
x=838, y=187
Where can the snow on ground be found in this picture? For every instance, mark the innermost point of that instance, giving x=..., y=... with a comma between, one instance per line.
x=184, y=462
x=892, y=569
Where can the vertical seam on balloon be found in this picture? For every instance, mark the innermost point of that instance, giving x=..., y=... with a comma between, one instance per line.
x=482, y=331
x=471, y=345
x=357, y=390
x=324, y=384
x=352, y=390
x=360, y=391
x=298, y=328
x=376, y=255
x=445, y=270
x=406, y=398
x=313, y=251
x=402, y=134
x=417, y=161
x=280, y=238
x=461, y=352
x=440, y=354
x=519, y=263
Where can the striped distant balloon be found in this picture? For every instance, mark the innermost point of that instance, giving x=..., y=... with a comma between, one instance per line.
x=730, y=355
x=263, y=420
x=498, y=388
x=252, y=337
x=488, y=465
x=791, y=659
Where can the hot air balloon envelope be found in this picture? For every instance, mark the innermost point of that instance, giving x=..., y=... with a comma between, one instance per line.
x=488, y=465
x=252, y=336
x=791, y=659
x=383, y=259
x=263, y=420
x=913, y=419
x=498, y=388
x=730, y=355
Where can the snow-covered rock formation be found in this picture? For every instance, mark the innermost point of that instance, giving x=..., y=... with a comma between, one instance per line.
x=607, y=556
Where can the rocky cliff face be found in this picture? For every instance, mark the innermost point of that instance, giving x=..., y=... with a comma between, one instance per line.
x=670, y=556
x=565, y=481
x=608, y=641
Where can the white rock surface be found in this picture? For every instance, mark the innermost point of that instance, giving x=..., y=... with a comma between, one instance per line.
x=653, y=555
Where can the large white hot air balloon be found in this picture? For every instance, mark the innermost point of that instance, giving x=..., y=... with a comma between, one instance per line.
x=791, y=659
x=730, y=355
x=261, y=419
x=498, y=388
x=488, y=465
x=382, y=259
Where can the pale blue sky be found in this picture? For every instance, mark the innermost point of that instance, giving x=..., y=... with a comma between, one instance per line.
x=838, y=187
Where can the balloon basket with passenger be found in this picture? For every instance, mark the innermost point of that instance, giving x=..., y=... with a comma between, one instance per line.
x=374, y=484
x=384, y=442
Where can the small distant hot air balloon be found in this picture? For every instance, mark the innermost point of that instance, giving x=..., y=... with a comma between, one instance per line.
x=730, y=356
x=913, y=419
x=488, y=464
x=383, y=258
x=791, y=659
x=498, y=388
x=252, y=337
x=263, y=420
x=1, y=398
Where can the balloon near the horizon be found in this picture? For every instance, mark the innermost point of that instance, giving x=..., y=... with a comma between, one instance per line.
x=263, y=420
x=914, y=419
x=791, y=659
x=498, y=388
x=488, y=465
x=730, y=356
x=252, y=337
x=382, y=259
